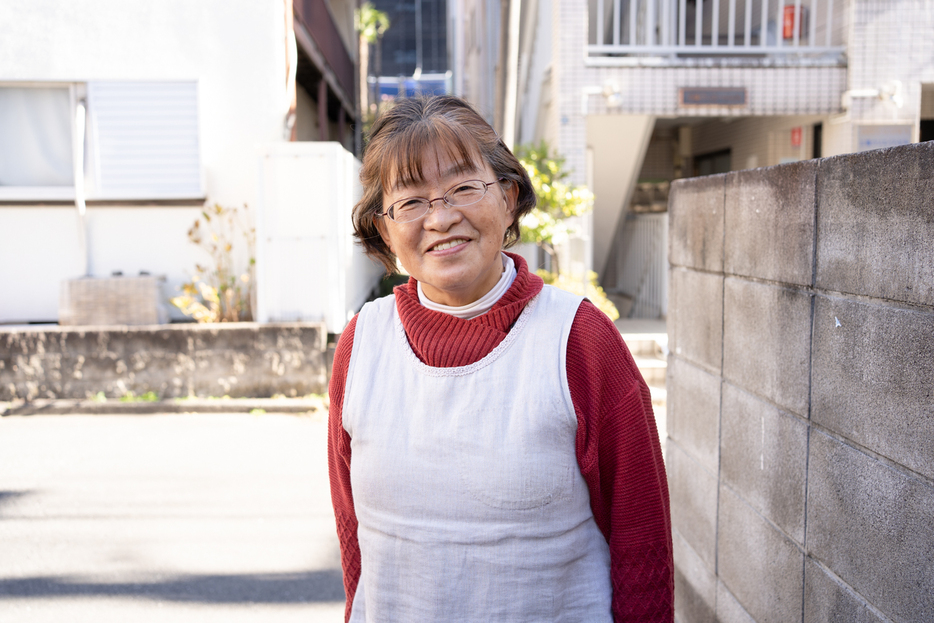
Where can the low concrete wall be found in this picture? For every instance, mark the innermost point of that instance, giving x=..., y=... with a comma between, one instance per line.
x=801, y=390
x=237, y=359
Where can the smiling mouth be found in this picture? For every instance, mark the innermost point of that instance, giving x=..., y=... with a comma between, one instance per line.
x=447, y=245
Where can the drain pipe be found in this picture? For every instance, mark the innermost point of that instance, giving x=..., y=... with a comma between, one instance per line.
x=291, y=69
x=80, y=205
x=512, y=75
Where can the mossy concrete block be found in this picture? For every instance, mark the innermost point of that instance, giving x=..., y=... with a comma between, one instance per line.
x=695, y=317
x=763, y=458
x=695, y=225
x=770, y=223
x=826, y=600
x=760, y=566
x=873, y=378
x=693, y=409
x=237, y=359
x=875, y=228
x=766, y=341
x=693, y=493
x=871, y=525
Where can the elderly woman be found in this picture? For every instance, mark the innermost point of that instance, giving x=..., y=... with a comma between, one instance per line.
x=492, y=448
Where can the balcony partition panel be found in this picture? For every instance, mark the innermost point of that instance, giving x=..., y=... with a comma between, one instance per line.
x=797, y=30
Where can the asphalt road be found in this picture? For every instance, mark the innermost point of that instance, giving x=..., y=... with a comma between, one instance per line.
x=144, y=518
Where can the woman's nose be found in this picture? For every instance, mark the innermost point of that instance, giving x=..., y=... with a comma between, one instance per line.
x=441, y=214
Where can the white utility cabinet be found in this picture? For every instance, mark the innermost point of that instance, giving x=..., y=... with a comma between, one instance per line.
x=308, y=267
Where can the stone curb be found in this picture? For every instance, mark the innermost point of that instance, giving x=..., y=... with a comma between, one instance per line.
x=115, y=407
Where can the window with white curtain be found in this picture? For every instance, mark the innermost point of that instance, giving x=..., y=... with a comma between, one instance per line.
x=140, y=143
x=35, y=137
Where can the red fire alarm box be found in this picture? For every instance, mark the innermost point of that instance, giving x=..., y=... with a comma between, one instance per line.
x=788, y=22
x=796, y=137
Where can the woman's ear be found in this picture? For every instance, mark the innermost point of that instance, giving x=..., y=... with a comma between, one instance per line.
x=511, y=197
x=380, y=223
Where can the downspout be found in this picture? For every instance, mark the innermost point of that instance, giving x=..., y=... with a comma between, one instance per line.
x=78, y=160
x=291, y=68
x=511, y=74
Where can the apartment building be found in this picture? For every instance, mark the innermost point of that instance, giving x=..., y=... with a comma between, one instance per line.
x=636, y=93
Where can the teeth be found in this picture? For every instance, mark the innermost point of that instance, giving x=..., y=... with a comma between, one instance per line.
x=446, y=245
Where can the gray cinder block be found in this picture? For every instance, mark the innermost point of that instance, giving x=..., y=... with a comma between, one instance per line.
x=763, y=458
x=694, y=411
x=770, y=223
x=759, y=566
x=728, y=609
x=873, y=378
x=695, y=585
x=825, y=600
x=695, y=317
x=766, y=341
x=875, y=231
x=693, y=492
x=695, y=225
x=871, y=526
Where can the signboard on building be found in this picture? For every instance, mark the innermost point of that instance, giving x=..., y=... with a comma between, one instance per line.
x=712, y=96
x=796, y=137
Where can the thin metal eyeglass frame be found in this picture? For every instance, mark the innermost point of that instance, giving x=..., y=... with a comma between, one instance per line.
x=431, y=202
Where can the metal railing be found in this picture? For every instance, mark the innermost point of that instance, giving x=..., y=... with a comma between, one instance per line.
x=641, y=264
x=620, y=28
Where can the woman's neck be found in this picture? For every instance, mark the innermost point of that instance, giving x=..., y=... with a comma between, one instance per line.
x=481, y=305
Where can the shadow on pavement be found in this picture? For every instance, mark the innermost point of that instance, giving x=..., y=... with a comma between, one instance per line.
x=264, y=588
x=11, y=496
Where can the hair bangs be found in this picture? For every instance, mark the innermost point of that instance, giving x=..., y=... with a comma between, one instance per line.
x=404, y=162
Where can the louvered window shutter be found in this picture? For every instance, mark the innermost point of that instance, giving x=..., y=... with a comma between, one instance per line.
x=145, y=140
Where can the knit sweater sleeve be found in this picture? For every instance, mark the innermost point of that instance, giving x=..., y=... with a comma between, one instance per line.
x=339, y=468
x=621, y=460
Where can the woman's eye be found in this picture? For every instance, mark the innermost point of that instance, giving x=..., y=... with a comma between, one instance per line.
x=409, y=204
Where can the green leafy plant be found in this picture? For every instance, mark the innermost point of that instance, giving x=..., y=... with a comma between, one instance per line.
x=220, y=293
x=147, y=397
x=557, y=201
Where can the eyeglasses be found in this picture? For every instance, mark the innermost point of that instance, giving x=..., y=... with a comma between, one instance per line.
x=460, y=195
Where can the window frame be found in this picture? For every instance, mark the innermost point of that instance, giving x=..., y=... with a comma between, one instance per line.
x=94, y=192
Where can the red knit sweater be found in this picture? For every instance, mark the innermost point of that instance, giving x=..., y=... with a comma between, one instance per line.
x=617, y=444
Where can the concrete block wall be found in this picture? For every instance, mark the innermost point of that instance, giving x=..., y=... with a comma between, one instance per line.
x=801, y=391
x=241, y=359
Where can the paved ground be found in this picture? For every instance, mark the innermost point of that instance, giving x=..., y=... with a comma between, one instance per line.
x=145, y=518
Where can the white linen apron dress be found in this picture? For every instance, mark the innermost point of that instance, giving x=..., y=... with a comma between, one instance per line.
x=470, y=502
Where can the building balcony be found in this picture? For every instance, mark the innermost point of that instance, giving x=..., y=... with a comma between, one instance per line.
x=710, y=33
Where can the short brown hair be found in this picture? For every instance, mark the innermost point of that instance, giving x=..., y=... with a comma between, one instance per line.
x=397, y=143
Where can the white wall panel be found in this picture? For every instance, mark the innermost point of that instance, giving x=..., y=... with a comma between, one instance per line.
x=308, y=266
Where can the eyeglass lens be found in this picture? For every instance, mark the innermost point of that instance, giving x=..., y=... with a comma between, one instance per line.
x=463, y=194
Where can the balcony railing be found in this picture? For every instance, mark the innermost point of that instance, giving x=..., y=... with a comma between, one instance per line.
x=626, y=31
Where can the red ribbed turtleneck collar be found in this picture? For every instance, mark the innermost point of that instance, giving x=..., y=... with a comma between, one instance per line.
x=444, y=341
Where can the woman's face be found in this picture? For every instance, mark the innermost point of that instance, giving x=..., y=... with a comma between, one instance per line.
x=454, y=252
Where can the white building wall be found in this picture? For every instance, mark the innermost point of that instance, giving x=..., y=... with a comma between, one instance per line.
x=757, y=141
x=234, y=50
x=891, y=44
x=534, y=71
x=476, y=32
